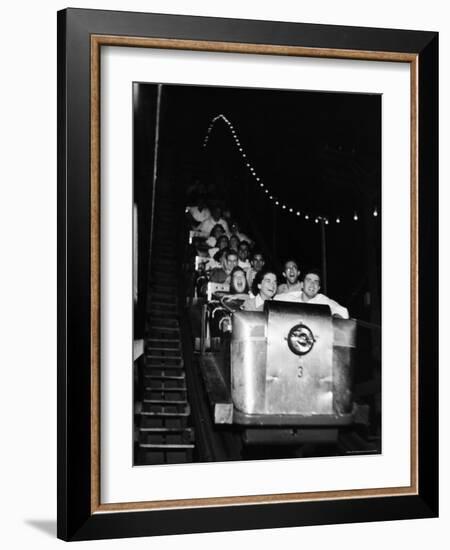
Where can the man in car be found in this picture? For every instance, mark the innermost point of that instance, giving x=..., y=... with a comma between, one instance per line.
x=292, y=275
x=257, y=263
x=222, y=274
x=310, y=295
x=243, y=255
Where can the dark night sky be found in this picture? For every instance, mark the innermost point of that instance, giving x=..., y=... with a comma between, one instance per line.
x=318, y=152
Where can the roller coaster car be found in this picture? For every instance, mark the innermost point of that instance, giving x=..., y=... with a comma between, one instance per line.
x=290, y=365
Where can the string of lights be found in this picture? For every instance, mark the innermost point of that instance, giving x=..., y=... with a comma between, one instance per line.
x=266, y=190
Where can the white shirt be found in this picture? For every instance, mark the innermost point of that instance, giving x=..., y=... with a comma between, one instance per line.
x=199, y=215
x=298, y=296
x=251, y=273
x=244, y=265
x=242, y=237
x=206, y=226
x=259, y=301
x=284, y=288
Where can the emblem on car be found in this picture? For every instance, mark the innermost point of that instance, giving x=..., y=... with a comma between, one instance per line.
x=300, y=339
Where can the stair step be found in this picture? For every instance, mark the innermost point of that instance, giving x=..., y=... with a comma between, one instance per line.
x=163, y=345
x=162, y=325
x=155, y=456
x=166, y=446
x=164, y=248
x=168, y=431
x=166, y=323
x=165, y=374
x=149, y=409
x=168, y=423
x=162, y=276
x=168, y=275
x=163, y=333
x=166, y=236
x=165, y=256
x=161, y=348
x=158, y=319
x=167, y=436
x=153, y=304
x=166, y=229
x=172, y=342
x=160, y=396
x=163, y=362
x=165, y=401
x=163, y=287
x=163, y=297
x=164, y=389
x=166, y=266
x=154, y=356
x=171, y=385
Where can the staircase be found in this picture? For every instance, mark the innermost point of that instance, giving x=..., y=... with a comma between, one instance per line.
x=165, y=434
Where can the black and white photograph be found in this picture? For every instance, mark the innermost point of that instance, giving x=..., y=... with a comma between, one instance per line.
x=257, y=218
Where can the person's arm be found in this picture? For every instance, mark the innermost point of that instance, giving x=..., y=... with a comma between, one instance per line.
x=204, y=228
x=224, y=224
x=249, y=304
x=338, y=311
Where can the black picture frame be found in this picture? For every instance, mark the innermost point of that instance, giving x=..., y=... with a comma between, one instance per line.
x=77, y=517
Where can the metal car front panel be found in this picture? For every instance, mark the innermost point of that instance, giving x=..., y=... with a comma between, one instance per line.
x=248, y=361
x=299, y=359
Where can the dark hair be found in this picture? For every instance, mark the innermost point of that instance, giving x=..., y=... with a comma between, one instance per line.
x=229, y=252
x=219, y=254
x=235, y=237
x=232, y=287
x=290, y=259
x=221, y=238
x=314, y=271
x=244, y=242
x=216, y=227
x=257, y=253
x=259, y=277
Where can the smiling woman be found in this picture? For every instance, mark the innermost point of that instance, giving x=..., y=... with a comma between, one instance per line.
x=264, y=287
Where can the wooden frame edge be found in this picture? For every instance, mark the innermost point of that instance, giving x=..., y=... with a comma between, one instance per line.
x=230, y=47
x=95, y=274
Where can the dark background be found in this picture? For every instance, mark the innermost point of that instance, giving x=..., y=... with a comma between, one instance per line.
x=317, y=152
